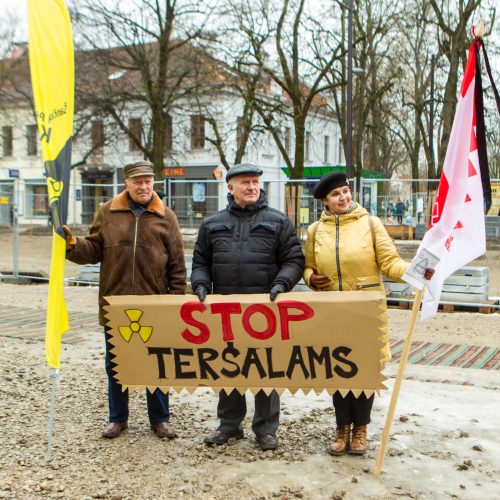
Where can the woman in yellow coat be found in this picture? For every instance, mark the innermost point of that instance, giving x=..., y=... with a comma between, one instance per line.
x=347, y=249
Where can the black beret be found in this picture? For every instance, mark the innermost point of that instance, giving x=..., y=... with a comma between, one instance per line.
x=243, y=169
x=328, y=182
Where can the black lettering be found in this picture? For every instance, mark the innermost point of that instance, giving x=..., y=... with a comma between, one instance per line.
x=252, y=358
x=230, y=350
x=296, y=359
x=338, y=354
x=46, y=134
x=178, y=363
x=205, y=354
x=272, y=373
x=160, y=351
x=322, y=358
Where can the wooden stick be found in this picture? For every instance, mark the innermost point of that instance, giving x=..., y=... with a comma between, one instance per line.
x=399, y=378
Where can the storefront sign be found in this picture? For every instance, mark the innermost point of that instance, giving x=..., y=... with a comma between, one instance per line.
x=13, y=173
x=303, y=341
x=174, y=172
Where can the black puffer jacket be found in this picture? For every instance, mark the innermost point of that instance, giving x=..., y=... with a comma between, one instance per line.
x=247, y=250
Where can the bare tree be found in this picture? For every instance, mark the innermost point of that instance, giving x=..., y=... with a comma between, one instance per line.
x=376, y=73
x=294, y=77
x=454, y=21
x=144, y=59
x=409, y=114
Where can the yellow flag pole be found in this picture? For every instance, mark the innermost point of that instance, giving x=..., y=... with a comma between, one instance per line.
x=399, y=379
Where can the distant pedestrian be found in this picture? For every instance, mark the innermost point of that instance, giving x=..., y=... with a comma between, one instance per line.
x=400, y=209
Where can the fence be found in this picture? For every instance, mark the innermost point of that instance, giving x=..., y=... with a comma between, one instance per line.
x=394, y=201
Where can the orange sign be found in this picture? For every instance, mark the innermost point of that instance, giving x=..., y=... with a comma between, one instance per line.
x=173, y=172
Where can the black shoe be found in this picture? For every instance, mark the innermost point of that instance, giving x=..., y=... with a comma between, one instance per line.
x=219, y=437
x=267, y=441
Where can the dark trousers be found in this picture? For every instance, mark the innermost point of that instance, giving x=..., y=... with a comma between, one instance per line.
x=118, y=400
x=232, y=409
x=352, y=410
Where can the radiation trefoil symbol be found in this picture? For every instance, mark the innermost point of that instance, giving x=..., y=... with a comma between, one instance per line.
x=134, y=315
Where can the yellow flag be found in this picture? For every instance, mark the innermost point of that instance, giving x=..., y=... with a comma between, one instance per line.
x=53, y=81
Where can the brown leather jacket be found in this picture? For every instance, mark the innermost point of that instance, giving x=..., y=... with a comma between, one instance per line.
x=139, y=255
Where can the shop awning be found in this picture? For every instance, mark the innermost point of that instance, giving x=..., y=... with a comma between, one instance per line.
x=315, y=172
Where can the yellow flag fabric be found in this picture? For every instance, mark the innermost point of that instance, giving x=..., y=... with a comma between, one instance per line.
x=53, y=80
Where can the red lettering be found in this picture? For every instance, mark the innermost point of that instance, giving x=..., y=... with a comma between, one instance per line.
x=268, y=314
x=187, y=310
x=225, y=309
x=286, y=317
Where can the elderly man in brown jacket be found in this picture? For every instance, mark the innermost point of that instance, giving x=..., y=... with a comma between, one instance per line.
x=137, y=240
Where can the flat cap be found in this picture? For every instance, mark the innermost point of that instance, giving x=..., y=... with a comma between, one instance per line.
x=138, y=168
x=243, y=169
x=328, y=182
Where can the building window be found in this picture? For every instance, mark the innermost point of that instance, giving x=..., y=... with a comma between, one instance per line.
x=32, y=139
x=169, y=133
x=97, y=135
x=326, y=151
x=307, y=146
x=7, y=141
x=197, y=132
x=37, y=200
x=135, y=137
x=287, y=140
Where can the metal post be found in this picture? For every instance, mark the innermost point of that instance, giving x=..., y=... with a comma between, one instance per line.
x=15, y=227
x=53, y=379
x=349, y=156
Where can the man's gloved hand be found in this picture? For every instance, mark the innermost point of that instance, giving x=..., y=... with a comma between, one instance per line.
x=276, y=288
x=70, y=239
x=201, y=291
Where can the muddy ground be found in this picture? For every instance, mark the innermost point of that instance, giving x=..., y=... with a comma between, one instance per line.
x=444, y=441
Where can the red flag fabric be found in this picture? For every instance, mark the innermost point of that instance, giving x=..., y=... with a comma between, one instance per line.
x=456, y=232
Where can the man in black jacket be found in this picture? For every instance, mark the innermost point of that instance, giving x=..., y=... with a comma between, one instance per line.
x=246, y=248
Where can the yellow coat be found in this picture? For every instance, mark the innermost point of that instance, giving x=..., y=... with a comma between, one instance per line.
x=344, y=251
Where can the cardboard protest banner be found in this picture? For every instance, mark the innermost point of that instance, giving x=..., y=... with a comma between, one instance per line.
x=302, y=341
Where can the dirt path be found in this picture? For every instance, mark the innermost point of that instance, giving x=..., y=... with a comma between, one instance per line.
x=444, y=441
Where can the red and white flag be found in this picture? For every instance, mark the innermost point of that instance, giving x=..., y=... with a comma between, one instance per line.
x=456, y=233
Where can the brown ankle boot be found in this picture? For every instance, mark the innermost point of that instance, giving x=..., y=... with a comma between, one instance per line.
x=341, y=443
x=359, y=440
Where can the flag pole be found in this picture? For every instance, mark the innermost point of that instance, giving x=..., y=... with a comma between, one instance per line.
x=399, y=378
x=53, y=379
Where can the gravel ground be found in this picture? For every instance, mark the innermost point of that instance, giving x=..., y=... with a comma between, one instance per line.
x=444, y=441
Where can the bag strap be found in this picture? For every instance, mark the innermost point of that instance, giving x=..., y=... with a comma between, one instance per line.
x=315, y=229
x=372, y=230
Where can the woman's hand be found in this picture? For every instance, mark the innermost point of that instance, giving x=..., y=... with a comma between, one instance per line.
x=319, y=281
x=429, y=273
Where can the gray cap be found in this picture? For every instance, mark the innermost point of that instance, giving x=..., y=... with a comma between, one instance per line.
x=138, y=168
x=243, y=169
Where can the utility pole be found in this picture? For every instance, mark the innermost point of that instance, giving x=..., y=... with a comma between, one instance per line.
x=348, y=157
